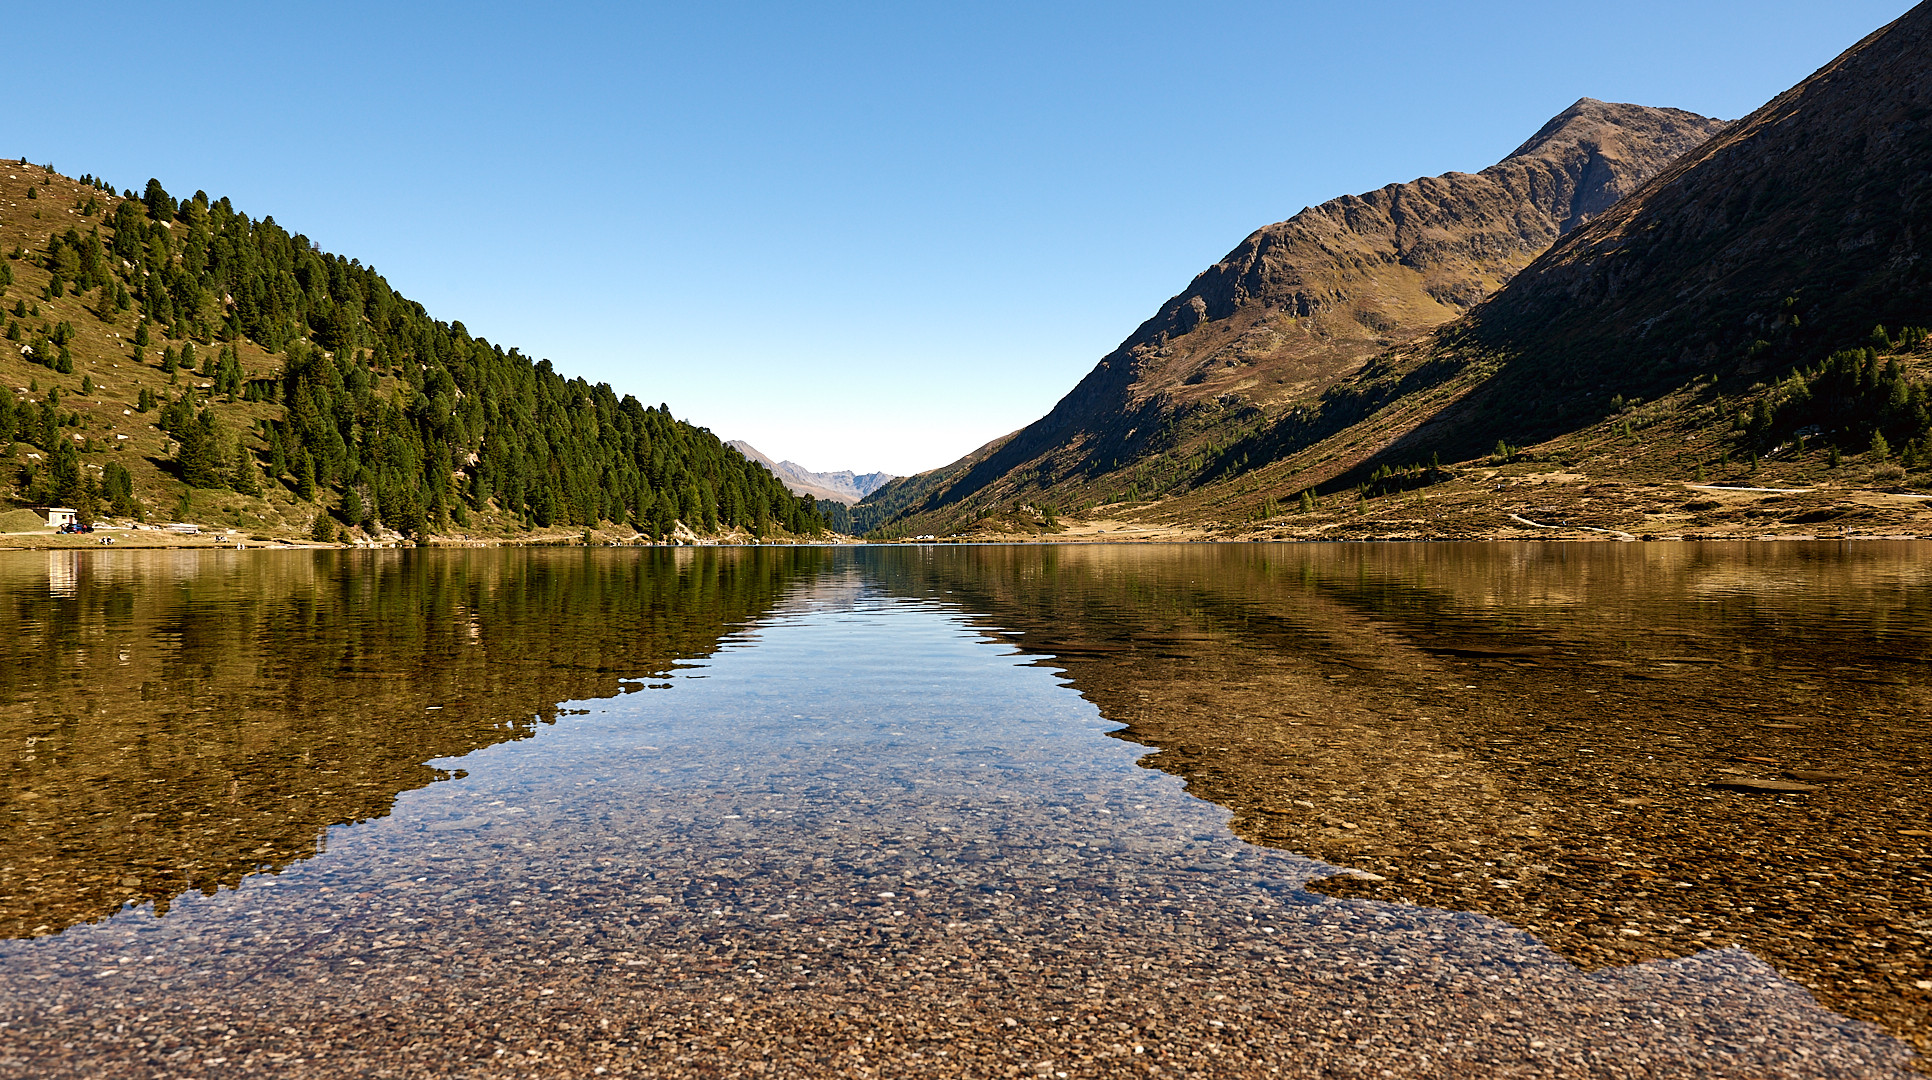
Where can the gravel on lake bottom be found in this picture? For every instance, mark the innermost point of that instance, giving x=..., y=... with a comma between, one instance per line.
x=863, y=840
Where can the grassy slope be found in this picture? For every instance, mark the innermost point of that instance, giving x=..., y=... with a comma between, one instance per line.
x=1634, y=470
x=1647, y=469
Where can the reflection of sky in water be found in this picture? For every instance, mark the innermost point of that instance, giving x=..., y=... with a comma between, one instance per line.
x=860, y=836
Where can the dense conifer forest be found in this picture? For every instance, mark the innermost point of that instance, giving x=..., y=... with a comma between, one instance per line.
x=360, y=404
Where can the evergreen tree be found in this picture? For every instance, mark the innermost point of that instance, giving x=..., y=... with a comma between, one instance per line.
x=199, y=454
x=48, y=433
x=117, y=487
x=242, y=477
x=65, y=474
x=305, y=479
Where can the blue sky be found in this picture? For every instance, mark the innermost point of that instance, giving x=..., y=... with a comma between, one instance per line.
x=866, y=236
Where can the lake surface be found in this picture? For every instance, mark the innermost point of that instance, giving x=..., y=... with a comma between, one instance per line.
x=1313, y=810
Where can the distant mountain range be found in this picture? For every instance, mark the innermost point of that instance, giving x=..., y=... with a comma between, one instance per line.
x=1636, y=296
x=844, y=486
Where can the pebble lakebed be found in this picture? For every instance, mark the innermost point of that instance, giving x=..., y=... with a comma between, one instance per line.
x=862, y=839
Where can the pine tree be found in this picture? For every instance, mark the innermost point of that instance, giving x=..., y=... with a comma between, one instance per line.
x=64, y=480
x=160, y=206
x=242, y=477
x=199, y=454
x=117, y=487
x=305, y=479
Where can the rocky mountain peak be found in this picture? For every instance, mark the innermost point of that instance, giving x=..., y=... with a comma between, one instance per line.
x=1301, y=304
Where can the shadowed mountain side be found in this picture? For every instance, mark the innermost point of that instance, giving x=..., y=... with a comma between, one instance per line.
x=232, y=710
x=1822, y=195
x=1788, y=236
x=909, y=494
x=1300, y=304
x=1504, y=729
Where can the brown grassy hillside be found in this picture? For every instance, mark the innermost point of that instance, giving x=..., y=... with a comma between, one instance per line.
x=1301, y=304
x=1745, y=318
x=1752, y=318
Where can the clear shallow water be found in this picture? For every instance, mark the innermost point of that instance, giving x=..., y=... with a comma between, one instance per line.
x=860, y=836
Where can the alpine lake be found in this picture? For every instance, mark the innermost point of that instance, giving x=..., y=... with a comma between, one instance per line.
x=1345, y=810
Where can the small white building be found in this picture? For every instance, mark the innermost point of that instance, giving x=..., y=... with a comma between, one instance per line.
x=58, y=515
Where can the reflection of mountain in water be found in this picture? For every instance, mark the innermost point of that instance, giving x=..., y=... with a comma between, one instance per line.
x=179, y=720
x=1534, y=731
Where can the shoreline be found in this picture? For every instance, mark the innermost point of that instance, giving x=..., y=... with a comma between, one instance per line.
x=30, y=542
x=1495, y=507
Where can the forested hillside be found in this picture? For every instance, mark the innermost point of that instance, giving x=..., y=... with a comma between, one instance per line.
x=178, y=358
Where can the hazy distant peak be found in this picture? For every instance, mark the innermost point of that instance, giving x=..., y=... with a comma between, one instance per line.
x=843, y=486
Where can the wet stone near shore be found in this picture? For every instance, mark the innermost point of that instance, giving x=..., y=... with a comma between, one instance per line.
x=861, y=840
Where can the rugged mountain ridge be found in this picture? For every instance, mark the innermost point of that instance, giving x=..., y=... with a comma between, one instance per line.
x=1742, y=348
x=842, y=486
x=1781, y=241
x=1792, y=233
x=1300, y=304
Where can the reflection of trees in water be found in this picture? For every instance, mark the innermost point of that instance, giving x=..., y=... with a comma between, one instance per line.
x=175, y=723
x=1532, y=731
